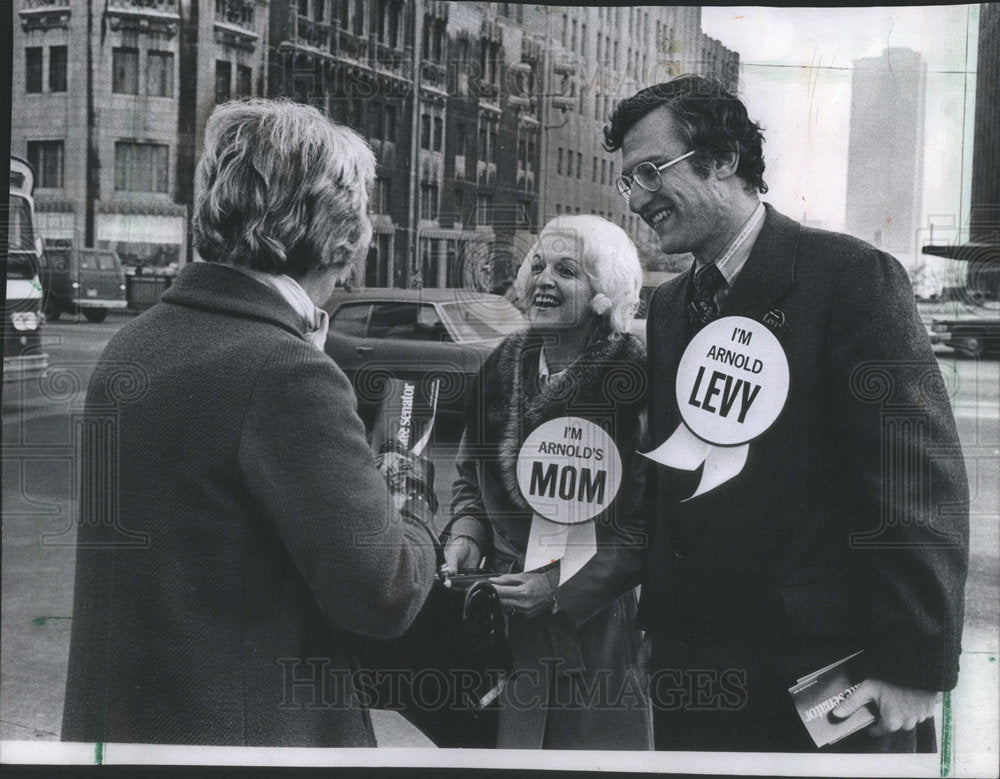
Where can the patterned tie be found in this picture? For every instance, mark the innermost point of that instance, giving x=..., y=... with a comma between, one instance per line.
x=703, y=309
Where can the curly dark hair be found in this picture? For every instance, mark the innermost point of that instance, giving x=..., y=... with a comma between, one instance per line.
x=710, y=120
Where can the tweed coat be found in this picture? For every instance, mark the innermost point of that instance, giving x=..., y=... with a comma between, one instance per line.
x=233, y=529
x=592, y=641
x=847, y=528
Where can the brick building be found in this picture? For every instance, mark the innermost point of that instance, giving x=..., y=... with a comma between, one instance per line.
x=110, y=100
x=485, y=118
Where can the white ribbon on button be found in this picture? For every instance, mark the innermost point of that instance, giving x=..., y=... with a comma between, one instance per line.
x=569, y=471
x=732, y=383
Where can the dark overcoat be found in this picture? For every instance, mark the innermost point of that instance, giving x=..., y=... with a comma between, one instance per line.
x=847, y=528
x=233, y=527
x=577, y=685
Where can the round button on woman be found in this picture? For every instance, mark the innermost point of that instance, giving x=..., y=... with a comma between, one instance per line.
x=574, y=642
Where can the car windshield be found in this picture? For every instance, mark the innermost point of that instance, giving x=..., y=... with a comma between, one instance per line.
x=97, y=261
x=477, y=320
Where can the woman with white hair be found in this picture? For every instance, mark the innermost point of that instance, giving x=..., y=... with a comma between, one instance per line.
x=574, y=643
x=249, y=529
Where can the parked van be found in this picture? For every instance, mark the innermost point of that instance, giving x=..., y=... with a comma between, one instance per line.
x=22, y=248
x=87, y=280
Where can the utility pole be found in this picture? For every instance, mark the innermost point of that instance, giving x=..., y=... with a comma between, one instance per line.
x=413, y=235
x=91, y=156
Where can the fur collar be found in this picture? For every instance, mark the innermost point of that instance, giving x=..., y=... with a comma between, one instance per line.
x=609, y=376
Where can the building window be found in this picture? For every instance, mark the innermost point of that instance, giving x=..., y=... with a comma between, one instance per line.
x=438, y=132
x=140, y=167
x=244, y=81
x=425, y=131
x=428, y=201
x=579, y=164
x=604, y=171
x=160, y=74
x=57, y=69
x=389, y=131
x=387, y=22
x=125, y=71
x=46, y=157
x=484, y=210
x=559, y=161
x=223, y=81
x=593, y=175
x=460, y=140
x=382, y=195
x=611, y=172
x=33, y=69
x=583, y=40
x=359, y=17
x=482, y=144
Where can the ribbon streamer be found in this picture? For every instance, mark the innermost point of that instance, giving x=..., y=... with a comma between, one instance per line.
x=685, y=451
x=572, y=545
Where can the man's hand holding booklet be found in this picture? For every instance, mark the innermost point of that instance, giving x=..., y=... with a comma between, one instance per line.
x=816, y=695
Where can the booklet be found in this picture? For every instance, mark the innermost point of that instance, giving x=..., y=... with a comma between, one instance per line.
x=817, y=694
x=405, y=420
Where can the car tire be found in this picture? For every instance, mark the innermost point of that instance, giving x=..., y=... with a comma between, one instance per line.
x=95, y=315
x=52, y=310
x=971, y=344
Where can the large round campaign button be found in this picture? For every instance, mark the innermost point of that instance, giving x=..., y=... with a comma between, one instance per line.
x=569, y=470
x=732, y=381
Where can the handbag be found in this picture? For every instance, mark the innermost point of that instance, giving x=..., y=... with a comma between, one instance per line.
x=446, y=671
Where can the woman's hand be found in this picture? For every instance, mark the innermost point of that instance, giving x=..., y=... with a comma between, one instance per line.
x=461, y=553
x=527, y=594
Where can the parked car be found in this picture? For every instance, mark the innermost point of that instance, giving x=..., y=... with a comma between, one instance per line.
x=975, y=332
x=418, y=335
x=87, y=280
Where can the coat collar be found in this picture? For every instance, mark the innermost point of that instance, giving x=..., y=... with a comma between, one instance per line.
x=583, y=385
x=211, y=286
x=770, y=269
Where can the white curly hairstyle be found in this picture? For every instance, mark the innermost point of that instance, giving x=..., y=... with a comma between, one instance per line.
x=608, y=258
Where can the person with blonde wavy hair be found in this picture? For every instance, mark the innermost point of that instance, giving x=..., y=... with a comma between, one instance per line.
x=574, y=642
x=246, y=528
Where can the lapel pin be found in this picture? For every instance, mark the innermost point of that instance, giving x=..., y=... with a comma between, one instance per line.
x=775, y=319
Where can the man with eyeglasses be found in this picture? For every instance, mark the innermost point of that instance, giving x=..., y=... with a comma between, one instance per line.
x=846, y=528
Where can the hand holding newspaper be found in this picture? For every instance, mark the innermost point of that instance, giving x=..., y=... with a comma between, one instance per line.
x=401, y=432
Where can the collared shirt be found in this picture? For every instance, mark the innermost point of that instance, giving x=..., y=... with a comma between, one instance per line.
x=315, y=320
x=543, y=369
x=735, y=256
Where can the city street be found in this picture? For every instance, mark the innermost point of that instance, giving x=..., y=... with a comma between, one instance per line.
x=39, y=467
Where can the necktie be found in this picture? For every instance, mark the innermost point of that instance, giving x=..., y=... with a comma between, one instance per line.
x=703, y=309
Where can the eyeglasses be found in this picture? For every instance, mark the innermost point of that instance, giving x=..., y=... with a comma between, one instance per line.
x=646, y=175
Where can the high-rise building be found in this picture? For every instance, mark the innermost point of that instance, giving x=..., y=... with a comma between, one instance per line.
x=485, y=118
x=110, y=98
x=885, y=150
x=595, y=57
x=520, y=93
x=984, y=221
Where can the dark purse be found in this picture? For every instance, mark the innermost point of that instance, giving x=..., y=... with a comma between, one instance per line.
x=445, y=672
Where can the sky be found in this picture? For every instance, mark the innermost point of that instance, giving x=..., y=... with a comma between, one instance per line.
x=795, y=76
